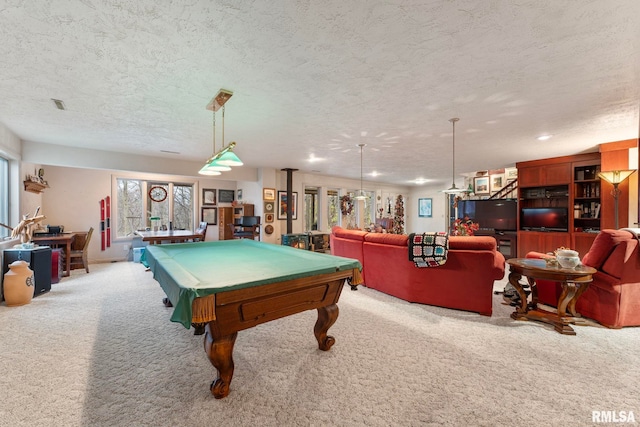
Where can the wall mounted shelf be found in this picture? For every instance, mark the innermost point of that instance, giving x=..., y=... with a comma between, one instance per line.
x=34, y=187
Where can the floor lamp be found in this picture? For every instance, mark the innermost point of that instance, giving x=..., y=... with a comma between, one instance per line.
x=615, y=178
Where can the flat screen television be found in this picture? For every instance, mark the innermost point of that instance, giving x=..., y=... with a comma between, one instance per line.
x=500, y=214
x=544, y=219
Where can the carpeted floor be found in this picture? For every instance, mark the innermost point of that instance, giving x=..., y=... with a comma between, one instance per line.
x=99, y=350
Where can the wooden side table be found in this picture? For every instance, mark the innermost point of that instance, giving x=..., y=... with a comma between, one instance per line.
x=574, y=282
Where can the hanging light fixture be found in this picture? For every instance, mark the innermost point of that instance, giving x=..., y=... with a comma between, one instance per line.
x=220, y=161
x=361, y=195
x=453, y=189
x=209, y=168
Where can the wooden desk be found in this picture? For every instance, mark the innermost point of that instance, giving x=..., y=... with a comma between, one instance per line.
x=173, y=236
x=63, y=240
x=574, y=282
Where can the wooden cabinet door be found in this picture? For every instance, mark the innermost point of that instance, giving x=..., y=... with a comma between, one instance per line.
x=582, y=242
x=544, y=242
x=529, y=177
x=544, y=175
x=557, y=174
x=225, y=216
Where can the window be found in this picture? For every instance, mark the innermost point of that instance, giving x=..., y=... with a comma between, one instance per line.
x=351, y=219
x=333, y=208
x=4, y=197
x=129, y=207
x=135, y=207
x=369, y=215
x=311, y=204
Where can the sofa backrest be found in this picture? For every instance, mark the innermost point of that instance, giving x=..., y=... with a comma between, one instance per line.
x=347, y=243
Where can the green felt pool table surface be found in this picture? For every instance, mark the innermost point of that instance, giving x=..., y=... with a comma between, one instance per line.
x=191, y=270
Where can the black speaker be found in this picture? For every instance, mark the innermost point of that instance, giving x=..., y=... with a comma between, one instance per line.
x=39, y=260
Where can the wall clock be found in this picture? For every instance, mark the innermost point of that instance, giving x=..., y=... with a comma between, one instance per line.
x=157, y=194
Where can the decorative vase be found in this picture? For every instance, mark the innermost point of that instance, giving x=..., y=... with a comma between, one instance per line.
x=19, y=284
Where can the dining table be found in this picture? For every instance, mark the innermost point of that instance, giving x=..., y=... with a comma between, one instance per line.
x=171, y=236
x=61, y=240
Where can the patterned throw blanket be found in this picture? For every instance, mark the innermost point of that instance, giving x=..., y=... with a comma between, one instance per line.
x=428, y=249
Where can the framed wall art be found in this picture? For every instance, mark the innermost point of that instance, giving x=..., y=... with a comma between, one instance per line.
x=283, y=202
x=210, y=215
x=424, y=208
x=510, y=173
x=270, y=207
x=226, y=196
x=239, y=194
x=208, y=196
x=269, y=194
x=481, y=185
x=268, y=217
x=497, y=181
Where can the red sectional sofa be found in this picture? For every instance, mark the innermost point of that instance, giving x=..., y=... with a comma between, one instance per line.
x=464, y=282
x=613, y=298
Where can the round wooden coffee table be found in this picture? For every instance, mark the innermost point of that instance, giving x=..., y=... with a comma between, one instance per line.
x=574, y=282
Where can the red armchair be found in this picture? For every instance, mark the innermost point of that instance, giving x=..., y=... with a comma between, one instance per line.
x=613, y=298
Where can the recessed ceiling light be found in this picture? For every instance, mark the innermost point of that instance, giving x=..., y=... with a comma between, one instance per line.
x=313, y=159
x=374, y=173
x=421, y=181
x=544, y=137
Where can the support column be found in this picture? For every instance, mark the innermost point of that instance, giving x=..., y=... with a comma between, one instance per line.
x=289, y=199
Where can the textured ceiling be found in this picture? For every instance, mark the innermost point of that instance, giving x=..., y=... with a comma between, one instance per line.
x=317, y=78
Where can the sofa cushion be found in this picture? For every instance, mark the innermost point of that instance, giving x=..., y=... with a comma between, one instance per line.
x=603, y=245
x=477, y=243
x=348, y=234
x=387, y=239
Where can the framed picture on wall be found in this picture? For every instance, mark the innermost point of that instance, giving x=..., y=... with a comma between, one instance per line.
x=424, y=208
x=270, y=207
x=496, y=182
x=269, y=194
x=210, y=215
x=239, y=194
x=226, y=196
x=481, y=185
x=283, y=202
x=510, y=173
x=209, y=196
x=268, y=217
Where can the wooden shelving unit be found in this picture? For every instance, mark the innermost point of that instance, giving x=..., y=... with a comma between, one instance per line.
x=571, y=183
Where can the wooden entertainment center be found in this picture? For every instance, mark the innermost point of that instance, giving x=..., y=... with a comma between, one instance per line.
x=571, y=184
x=562, y=184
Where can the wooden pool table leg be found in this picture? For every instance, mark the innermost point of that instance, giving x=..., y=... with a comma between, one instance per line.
x=219, y=349
x=327, y=316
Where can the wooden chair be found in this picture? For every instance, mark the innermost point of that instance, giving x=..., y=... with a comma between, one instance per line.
x=245, y=232
x=79, y=250
x=202, y=229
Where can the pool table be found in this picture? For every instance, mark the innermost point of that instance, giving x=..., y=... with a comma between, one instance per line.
x=231, y=285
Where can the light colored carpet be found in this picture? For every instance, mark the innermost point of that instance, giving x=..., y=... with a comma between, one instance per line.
x=99, y=350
